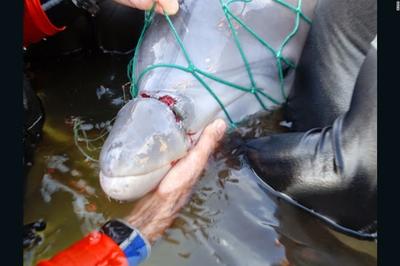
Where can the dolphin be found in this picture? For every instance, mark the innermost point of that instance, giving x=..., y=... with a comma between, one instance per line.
x=158, y=127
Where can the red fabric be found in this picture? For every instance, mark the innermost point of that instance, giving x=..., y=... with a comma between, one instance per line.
x=36, y=23
x=96, y=249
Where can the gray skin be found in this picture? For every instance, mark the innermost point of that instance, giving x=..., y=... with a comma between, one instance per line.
x=157, y=128
x=328, y=164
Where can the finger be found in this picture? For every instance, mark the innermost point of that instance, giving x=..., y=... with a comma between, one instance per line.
x=209, y=139
x=170, y=7
x=159, y=9
x=189, y=168
x=139, y=4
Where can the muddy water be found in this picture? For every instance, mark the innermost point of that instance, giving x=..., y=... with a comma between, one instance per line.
x=231, y=219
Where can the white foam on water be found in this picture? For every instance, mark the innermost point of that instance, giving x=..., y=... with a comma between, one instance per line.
x=100, y=91
x=58, y=162
x=91, y=220
x=118, y=101
x=86, y=127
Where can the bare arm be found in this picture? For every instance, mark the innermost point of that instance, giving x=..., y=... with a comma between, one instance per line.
x=154, y=213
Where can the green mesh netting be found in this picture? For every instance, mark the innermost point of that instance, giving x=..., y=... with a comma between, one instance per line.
x=91, y=145
x=199, y=73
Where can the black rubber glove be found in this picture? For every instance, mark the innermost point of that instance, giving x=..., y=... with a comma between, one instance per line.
x=88, y=5
x=64, y=12
x=30, y=236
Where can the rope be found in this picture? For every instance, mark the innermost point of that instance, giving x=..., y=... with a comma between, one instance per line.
x=199, y=74
x=91, y=144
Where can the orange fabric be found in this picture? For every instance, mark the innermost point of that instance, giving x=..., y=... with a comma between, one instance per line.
x=95, y=249
x=36, y=23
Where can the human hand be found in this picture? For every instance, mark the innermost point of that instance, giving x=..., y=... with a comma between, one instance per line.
x=171, y=7
x=154, y=213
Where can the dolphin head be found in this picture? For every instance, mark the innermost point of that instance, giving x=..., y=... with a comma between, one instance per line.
x=138, y=152
x=148, y=135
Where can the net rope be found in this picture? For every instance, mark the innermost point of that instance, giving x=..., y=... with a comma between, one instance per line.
x=198, y=73
x=92, y=145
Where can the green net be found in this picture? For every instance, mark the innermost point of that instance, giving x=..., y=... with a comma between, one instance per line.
x=91, y=144
x=199, y=74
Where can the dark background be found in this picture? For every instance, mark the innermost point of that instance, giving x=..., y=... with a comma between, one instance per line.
x=12, y=117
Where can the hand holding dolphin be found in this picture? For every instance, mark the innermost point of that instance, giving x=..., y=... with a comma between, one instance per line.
x=154, y=213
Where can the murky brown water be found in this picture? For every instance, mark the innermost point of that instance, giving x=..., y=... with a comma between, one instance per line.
x=231, y=219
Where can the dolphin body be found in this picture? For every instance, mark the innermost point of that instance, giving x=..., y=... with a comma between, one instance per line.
x=157, y=128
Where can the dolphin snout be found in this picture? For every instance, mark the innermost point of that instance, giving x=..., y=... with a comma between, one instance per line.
x=144, y=141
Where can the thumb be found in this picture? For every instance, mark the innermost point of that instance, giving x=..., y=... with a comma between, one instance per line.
x=186, y=172
x=209, y=139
